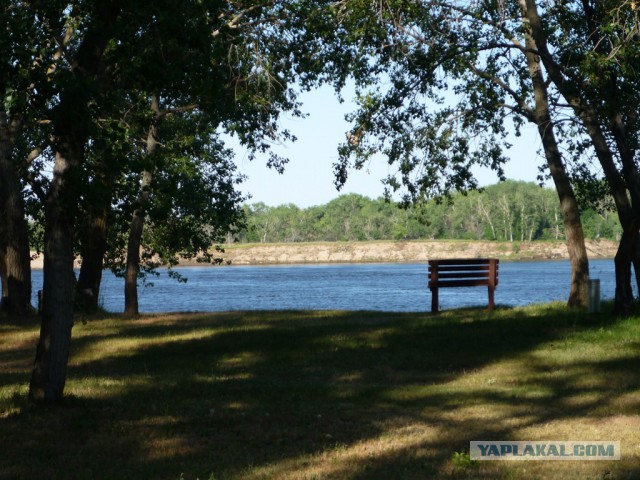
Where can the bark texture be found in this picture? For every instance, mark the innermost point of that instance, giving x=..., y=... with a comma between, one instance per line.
x=14, y=234
x=3, y=281
x=94, y=247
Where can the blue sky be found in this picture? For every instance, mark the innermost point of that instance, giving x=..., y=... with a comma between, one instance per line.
x=308, y=178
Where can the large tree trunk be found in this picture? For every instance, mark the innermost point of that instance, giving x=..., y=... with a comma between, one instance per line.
x=137, y=222
x=18, y=271
x=623, y=259
x=71, y=121
x=626, y=214
x=628, y=249
x=14, y=231
x=578, y=295
x=50, y=368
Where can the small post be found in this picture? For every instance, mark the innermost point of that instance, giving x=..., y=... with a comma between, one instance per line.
x=39, y=301
x=594, y=295
x=492, y=283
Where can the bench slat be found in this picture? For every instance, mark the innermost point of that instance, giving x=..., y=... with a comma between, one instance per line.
x=460, y=283
x=463, y=261
x=486, y=274
x=466, y=268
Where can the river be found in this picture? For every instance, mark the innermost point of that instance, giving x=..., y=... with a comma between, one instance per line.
x=399, y=287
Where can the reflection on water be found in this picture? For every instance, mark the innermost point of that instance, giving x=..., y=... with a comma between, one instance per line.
x=386, y=287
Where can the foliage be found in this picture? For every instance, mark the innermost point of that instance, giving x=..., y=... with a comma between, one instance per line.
x=96, y=83
x=440, y=83
x=194, y=200
x=507, y=211
x=462, y=460
x=218, y=66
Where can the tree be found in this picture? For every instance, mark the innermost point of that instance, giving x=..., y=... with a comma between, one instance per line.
x=75, y=75
x=591, y=62
x=455, y=75
x=97, y=55
x=211, y=76
x=14, y=237
x=187, y=205
x=20, y=43
x=541, y=116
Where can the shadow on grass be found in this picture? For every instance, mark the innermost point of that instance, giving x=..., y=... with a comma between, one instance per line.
x=317, y=394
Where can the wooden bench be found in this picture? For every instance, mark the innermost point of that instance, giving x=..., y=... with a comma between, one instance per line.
x=467, y=272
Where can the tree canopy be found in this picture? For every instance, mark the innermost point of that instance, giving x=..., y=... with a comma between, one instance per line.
x=111, y=133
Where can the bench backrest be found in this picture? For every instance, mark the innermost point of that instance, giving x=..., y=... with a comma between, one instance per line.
x=467, y=272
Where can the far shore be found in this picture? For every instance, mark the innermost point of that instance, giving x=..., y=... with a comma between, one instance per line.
x=393, y=252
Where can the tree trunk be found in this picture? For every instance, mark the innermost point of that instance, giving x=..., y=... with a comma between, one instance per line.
x=15, y=234
x=50, y=368
x=3, y=280
x=623, y=259
x=574, y=235
x=137, y=222
x=133, y=248
x=488, y=217
x=18, y=271
x=626, y=215
x=93, y=241
x=92, y=251
x=71, y=121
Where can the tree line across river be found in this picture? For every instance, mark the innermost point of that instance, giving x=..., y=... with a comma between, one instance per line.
x=506, y=211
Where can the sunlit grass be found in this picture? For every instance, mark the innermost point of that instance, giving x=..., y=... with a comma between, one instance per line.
x=324, y=394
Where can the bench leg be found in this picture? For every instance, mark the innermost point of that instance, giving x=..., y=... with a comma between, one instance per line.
x=434, y=300
x=492, y=304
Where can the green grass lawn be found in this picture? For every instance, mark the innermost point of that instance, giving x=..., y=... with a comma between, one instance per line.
x=315, y=395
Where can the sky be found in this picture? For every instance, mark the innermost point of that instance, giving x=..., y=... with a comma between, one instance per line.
x=308, y=177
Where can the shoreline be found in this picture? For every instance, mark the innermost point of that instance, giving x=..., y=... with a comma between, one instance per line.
x=404, y=251
x=414, y=251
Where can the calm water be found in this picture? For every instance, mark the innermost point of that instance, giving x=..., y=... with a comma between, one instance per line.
x=390, y=287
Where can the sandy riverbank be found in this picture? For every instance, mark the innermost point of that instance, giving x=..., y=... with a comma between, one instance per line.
x=413, y=251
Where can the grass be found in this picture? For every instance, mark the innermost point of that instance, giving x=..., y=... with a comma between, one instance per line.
x=324, y=395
